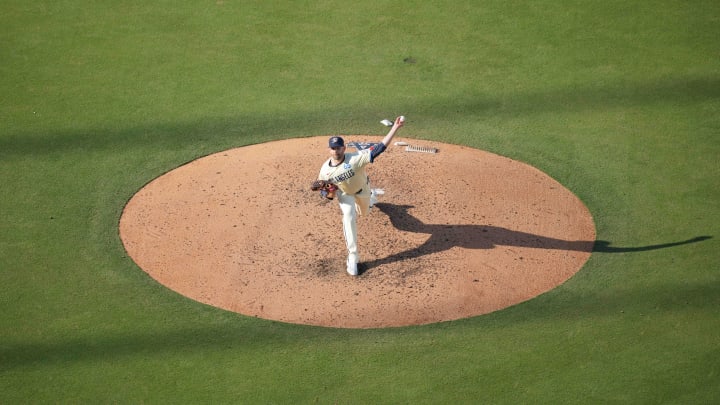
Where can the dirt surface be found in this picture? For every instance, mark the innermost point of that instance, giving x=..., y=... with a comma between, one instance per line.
x=457, y=234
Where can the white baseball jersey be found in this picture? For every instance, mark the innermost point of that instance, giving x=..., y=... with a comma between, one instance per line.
x=349, y=175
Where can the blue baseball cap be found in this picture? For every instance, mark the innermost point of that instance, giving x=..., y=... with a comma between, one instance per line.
x=336, y=141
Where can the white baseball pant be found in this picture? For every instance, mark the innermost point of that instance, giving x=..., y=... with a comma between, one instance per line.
x=351, y=205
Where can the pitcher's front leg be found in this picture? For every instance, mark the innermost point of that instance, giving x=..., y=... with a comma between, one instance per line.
x=347, y=205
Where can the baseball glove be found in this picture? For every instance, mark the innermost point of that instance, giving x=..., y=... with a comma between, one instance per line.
x=326, y=188
x=318, y=184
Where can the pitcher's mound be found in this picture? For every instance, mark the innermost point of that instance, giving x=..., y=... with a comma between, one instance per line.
x=457, y=233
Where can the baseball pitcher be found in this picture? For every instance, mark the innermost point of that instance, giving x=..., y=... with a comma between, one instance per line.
x=344, y=176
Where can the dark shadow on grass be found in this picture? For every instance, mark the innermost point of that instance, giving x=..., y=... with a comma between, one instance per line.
x=357, y=119
x=154, y=343
x=267, y=338
x=444, y=237
x=604, y=246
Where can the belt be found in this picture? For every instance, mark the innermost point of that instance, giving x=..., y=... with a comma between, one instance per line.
x=360, y=191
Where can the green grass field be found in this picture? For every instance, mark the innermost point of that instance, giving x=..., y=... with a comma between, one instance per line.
x=619, y=101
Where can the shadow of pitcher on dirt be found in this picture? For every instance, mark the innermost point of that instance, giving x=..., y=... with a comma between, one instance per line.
x=446, y=236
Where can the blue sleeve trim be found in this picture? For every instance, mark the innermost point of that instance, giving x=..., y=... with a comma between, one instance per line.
x=376, y=151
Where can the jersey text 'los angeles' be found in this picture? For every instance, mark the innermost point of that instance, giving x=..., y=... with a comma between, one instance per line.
x=349, y=176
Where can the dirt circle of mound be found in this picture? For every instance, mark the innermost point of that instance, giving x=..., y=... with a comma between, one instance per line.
x=458, y=233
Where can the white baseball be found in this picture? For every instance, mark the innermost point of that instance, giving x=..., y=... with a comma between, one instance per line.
x=402, y=118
